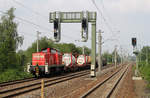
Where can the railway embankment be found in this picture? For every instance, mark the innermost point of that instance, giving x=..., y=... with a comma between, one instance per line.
x=13, y=74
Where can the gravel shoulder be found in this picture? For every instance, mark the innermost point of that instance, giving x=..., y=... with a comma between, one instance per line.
x=141, y=89
x=126, y=88
x=133, y=88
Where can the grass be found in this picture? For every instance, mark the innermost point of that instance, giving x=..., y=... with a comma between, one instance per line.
x=13, y=74
x=133, y=68
x=145, y=72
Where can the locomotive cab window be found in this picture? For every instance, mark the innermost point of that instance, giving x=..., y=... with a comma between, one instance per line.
x=58, y=53
x=53, y=51
x=44, y=50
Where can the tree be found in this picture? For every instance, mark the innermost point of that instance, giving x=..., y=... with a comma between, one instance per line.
x=44, y=42
x=144, y=53
x=87, y=50
x=107, y=56
x=68, y=48
x=9, y=41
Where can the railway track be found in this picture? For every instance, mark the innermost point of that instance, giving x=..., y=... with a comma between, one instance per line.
x=107, y=87
x=16, y=81
x=3, y=84
x=7, y=93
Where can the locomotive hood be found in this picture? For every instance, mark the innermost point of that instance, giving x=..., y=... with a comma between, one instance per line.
x=38, y=59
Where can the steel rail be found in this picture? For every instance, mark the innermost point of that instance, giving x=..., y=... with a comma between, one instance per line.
x=38, y=85
x=100, y=84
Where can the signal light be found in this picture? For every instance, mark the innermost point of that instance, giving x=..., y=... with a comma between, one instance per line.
x=56, y=24
x=84, y=32
x=57, y=33
x=134, y=42
x=84, y=23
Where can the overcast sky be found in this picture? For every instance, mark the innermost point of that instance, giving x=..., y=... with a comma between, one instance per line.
x=122, y=20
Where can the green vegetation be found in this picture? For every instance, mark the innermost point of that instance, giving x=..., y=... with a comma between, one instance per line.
x=10, y=60
x=9, y=41
x=145, y=72
x=13, y=74
x=144, y=67
x=110, y=57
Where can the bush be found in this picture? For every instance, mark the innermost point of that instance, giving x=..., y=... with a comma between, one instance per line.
x=145, y=72
x=13, y=74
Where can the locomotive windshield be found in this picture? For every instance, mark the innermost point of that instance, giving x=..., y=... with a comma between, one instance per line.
x=44, y=50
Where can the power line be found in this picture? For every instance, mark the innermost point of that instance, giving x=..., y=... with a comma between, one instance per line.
x=27, y=21
x=35, y=12
x=99, y=10
x=32, y=23
x=106, y=13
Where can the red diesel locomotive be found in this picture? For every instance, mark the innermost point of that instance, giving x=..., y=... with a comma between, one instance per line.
x=47, y=61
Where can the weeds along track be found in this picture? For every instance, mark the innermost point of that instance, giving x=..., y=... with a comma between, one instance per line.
x=18, y=90
x=106, y=88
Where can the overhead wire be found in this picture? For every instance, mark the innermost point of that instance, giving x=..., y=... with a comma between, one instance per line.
x=109, y=18
x=99, y=10
x=42, y=27
x=35, y=12
x=104, y=19
x=106, y=13
x=27, y=21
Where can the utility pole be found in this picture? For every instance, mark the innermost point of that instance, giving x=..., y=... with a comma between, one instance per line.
x=121, y=56
x=116, y=56
x=140, y=54
x=38, y=40
x=83, y=50
x=99, y=51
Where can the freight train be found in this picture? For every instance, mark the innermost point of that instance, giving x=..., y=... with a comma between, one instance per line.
x=51, y=61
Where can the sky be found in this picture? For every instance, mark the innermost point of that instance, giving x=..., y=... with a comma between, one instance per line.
x=120, y=20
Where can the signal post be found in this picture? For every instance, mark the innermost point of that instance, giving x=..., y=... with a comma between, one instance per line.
x=93, y=50
x=77, y=17
x=136, y=52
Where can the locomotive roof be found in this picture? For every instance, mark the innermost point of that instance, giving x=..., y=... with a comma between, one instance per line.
x=50, y=48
